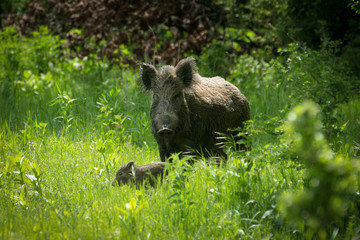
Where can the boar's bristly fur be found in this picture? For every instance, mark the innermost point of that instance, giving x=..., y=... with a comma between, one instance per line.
x=188, y=110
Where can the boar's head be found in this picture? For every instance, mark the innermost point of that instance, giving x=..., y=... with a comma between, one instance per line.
x=169, y=110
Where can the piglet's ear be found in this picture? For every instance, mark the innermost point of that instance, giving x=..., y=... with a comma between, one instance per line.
x=129, y=165
x=185, y=70
x=148, y=74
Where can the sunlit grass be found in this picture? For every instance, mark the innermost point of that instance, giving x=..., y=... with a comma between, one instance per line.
x=78, y=201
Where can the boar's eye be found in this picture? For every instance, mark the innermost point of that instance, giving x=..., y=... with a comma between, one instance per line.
x=177, y=96
x=155, y=97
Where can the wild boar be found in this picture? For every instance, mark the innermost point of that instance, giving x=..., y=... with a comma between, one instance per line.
x=138, y=174
x=188, y=110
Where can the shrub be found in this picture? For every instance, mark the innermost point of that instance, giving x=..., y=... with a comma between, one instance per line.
x=331, y=182
x=322, y=77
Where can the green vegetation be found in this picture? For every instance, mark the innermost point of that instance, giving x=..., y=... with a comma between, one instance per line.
x=67, y=124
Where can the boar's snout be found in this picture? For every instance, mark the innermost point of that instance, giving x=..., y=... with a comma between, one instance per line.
x=165, y=132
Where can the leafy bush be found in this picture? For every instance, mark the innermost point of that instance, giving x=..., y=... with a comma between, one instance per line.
x=331, y=180
x=322, y=20
x=215, y=60
x=12, y=6
x=25, y=62
x=321, y=77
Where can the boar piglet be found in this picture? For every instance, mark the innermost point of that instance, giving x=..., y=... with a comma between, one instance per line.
x=188, y=110
x=139, y=174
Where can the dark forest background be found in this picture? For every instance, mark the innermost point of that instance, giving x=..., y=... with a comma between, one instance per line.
x=165, y=31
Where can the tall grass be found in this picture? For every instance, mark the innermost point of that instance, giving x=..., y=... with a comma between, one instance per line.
x=77, y=200
x=68, y=124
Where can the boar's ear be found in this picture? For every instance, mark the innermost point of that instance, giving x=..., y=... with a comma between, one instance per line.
x=148, y=74
x=185, y=70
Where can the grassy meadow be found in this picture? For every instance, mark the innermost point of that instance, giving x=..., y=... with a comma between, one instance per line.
x=67, y=125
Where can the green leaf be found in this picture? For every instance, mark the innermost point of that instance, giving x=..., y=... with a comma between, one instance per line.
x=100, y=146
x=27, y=74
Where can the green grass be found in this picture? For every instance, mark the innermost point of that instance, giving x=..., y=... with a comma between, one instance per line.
x=65, y=130
x=77, y=200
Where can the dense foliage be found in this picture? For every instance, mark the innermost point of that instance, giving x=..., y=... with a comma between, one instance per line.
x=70, y=118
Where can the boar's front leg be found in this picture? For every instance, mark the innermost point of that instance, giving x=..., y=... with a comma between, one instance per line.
x=164, y=154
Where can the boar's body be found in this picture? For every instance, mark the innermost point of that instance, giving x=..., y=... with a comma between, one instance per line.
x=188, y=110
